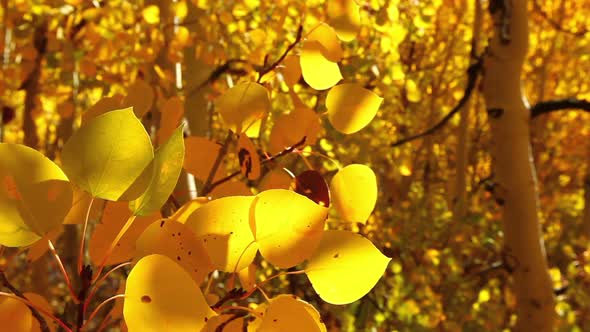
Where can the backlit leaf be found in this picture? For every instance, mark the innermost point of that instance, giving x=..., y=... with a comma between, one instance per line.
x=319, y=72
x=200, y=156
x=170, y=117
x=167, y=164
x=287, y=226
x=345, y=267
x=15, y=315
x=80, y=203
x=354, y=192
x=104, y=105
x=178, y=242
x=345, y=18
x=161, y=296
x=107, y=155
x=182, y=214
x=287, y=313
x=35, y=195
x=327, y=38
x=224, y=227
x=291, y=128
x=351, y=107
x=140, y=97
x=243, y=105
x=247, y=277
x=291, y=70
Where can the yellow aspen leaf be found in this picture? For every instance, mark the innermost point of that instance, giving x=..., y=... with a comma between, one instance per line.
x=287, y=226
x=247, y=277
x=106, y=156
x=248, y=158
x=113, y=218
x=345, y=267
x=287, y=313
x=104, y=105
x=344, y=16
x=178, y=242
x=151, y=14
x=200, y=156
x=166, y=167
x=275, y=179
x=243, y=105
x=319, y=72
x=412, y=93
x=290, y=128
x=231, y=188
x=354, y=192
x=42, y=303
x=312, y=185
x=80, y=202
x=35, y=195
x=161, y=296
x=224, y=227
x=291, y=70
x=15, y=315
x=327, y=38
x=228, y=323
x=140, y=96
x=182, y=214
x=351, y=107
x=170, y=118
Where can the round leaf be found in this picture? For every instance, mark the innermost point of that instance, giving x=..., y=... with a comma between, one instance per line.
x=354, y=192
x=107, y=155
x=224, y=227
x=35, y=195
x=161, y=296
x=312, y=185
x=319, y=72
x=351, y=107
x=243, y=105
x=167, y=165
x=200, y=156
x=15, y=315
x=140, y=97
x=326, y=36
x=288, y=226
x=287, y=313
x=345, y=267
x=345, y=18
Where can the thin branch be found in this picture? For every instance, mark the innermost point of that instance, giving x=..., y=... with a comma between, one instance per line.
x=472, y=74
x=207, y=187
x=42, y=323
x=234, y=294
x=274, y=65
x=286, y=151
x=556, y=24
x=228, y=66
x=63, y=270
x=558, y=105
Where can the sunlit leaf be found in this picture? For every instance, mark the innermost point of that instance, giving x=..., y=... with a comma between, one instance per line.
x=248, y=158
x=354, y=192
x=287, y=313
x=345, y=267
x=15, y=315
x=319, y=72
x=327, y=38
x=161, y=296
x=351, y=107
x=107, y=155
x=140, y=97
x=35, y=195
x=113, y=218
x=182, y=214
x=200, y=156
x=345, y=18
x=291, y=70
x=243, y=105
x=80, y=203
x=40, y=247
x=178, y=242
x=167, y=164
x=287, y=226
x=224, y=227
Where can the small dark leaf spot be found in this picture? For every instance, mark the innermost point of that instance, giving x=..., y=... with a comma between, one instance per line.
x=190, y=252
x=231, y=233
x=337, y=255
x=275, y=320
x=178, y=233
x=146, y=299
x=118, y=244
x=177, y=257
x=162, y=223
x=173, y=235
x=206, y=319
x=495, y=113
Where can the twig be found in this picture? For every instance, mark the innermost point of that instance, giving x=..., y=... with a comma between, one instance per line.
x=265, y=70
x=217, y=72
x=472, y=74
x=207, y=187
x=554, y=23
x=42, y=323
x=558, y=105
x=234, y=294
x=235, y=316
x=265, y=161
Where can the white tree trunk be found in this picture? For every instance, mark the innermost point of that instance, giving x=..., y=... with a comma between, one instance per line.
x=516, y=190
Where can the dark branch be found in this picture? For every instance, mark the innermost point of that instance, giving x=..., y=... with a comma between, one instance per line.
x=558, y=105
x=234, y=294
x=554, y=23
x=207, y=187
x=274, y=65
x=42, y=323
x=472, y=74
x=227, y=67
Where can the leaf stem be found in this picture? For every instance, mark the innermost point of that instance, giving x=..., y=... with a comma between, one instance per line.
x=112, y=247
x=39, y=309
x=100, y=281
x=112, y=298
x=63, y=271
x=83, y=238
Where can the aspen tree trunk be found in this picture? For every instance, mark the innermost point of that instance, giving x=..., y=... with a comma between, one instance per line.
x=515, y=190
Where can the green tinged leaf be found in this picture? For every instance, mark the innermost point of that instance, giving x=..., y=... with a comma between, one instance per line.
x=106, y=156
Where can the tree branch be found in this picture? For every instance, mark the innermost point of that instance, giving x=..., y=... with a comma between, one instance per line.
x=207, y=187
x=549, y=106
x=228, y=66
x=42, y=323
x=554, y=23
x=472, y=74
x=265, y=70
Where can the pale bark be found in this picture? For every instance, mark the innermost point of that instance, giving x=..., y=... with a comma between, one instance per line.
x=516, y=189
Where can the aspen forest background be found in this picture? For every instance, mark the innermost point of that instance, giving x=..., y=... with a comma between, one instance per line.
x=284, y=95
